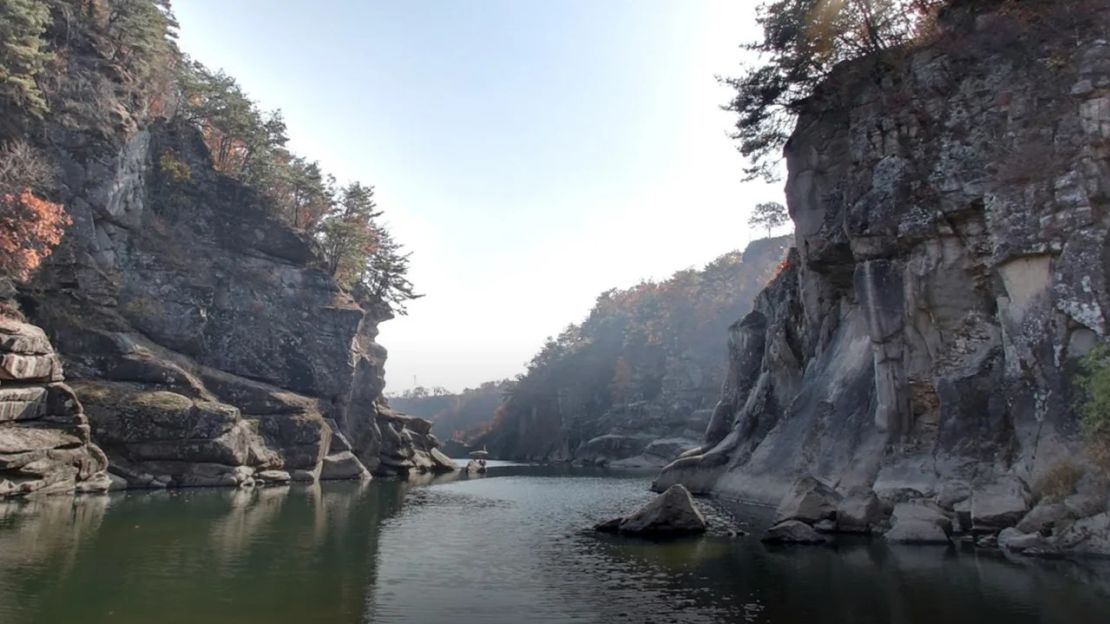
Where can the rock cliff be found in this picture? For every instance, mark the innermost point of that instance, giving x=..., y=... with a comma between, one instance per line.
x=202, y=339
x=950, y=205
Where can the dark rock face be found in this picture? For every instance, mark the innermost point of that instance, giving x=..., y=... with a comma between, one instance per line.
x=200, y=332
x=45, y=447
x=671, y=513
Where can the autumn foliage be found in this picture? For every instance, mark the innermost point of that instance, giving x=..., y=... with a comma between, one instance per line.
x=30, y=227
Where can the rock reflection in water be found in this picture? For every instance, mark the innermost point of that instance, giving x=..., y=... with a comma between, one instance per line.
x=512, y=546
x=304, y=554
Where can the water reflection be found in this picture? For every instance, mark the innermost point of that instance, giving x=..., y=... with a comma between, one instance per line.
x=506, y=547
x=265, y=555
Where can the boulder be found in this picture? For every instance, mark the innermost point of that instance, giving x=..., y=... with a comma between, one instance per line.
x=792, y=532
x=808, y=500
x=859, y=512
x=302, y=476
x=1014, y=540
x=1046, y=517
x=1087, y=537
x=1083, y=505
x=671, y=513
x=442, y=462
x=342, y=465
x=272, y=476
x=999, y=503
x=952, y=493
x=918, y=522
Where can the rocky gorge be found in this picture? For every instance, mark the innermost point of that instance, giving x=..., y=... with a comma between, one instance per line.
x=912, y=371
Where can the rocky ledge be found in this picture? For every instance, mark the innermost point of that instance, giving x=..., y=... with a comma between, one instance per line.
x=45, y=444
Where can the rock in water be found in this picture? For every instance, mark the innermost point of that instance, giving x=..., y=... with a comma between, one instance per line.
x=671, y=513
x=860, y=512
x=792, y=532
x=343, y=465
x=919, y=523
x=809, y=500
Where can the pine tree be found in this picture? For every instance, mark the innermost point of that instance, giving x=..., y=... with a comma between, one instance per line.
x=22, y=57
x=802, y=41
x=769, y=215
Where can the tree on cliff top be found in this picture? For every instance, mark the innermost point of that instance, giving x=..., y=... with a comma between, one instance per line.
x=768, y=215
x=802, y=41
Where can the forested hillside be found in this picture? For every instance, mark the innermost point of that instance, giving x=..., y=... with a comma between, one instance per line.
x=646, y=363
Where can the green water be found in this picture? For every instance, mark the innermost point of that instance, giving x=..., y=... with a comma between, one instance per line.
x=508, y=548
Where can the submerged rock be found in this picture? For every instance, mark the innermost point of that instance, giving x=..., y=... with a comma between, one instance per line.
x=671, y=513
x=792, y=532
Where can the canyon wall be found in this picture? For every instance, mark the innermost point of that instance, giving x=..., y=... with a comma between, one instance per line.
x=950, y=204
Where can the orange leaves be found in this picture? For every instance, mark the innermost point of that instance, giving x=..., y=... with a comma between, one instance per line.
x=30, y=227
x=782, y=266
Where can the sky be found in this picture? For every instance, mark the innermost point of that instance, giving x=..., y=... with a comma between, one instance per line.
x=530, y=154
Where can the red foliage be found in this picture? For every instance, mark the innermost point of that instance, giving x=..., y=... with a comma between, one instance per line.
x=784, y=265
x=30, y=227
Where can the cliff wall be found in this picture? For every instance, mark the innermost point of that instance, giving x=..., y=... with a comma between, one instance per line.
x=950, y=205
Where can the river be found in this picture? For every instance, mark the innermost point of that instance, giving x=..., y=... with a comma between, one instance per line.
x=512, y=546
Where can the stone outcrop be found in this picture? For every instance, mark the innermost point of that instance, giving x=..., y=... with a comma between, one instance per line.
x=45, y=444
x=951, y=209
x=671, y=513
x=206, y=342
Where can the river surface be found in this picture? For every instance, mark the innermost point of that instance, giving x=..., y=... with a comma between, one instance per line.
x=509, y=547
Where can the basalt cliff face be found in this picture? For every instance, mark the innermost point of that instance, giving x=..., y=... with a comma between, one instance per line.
x=951, y=210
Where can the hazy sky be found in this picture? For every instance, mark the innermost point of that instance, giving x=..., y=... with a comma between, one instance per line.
x=531, y=154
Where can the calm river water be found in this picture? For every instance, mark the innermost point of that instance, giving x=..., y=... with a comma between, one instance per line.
x=506, y=548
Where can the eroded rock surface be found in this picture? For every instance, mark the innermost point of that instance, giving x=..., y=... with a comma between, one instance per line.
x=207, y=342
x=45, y=444
x=950, y=209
